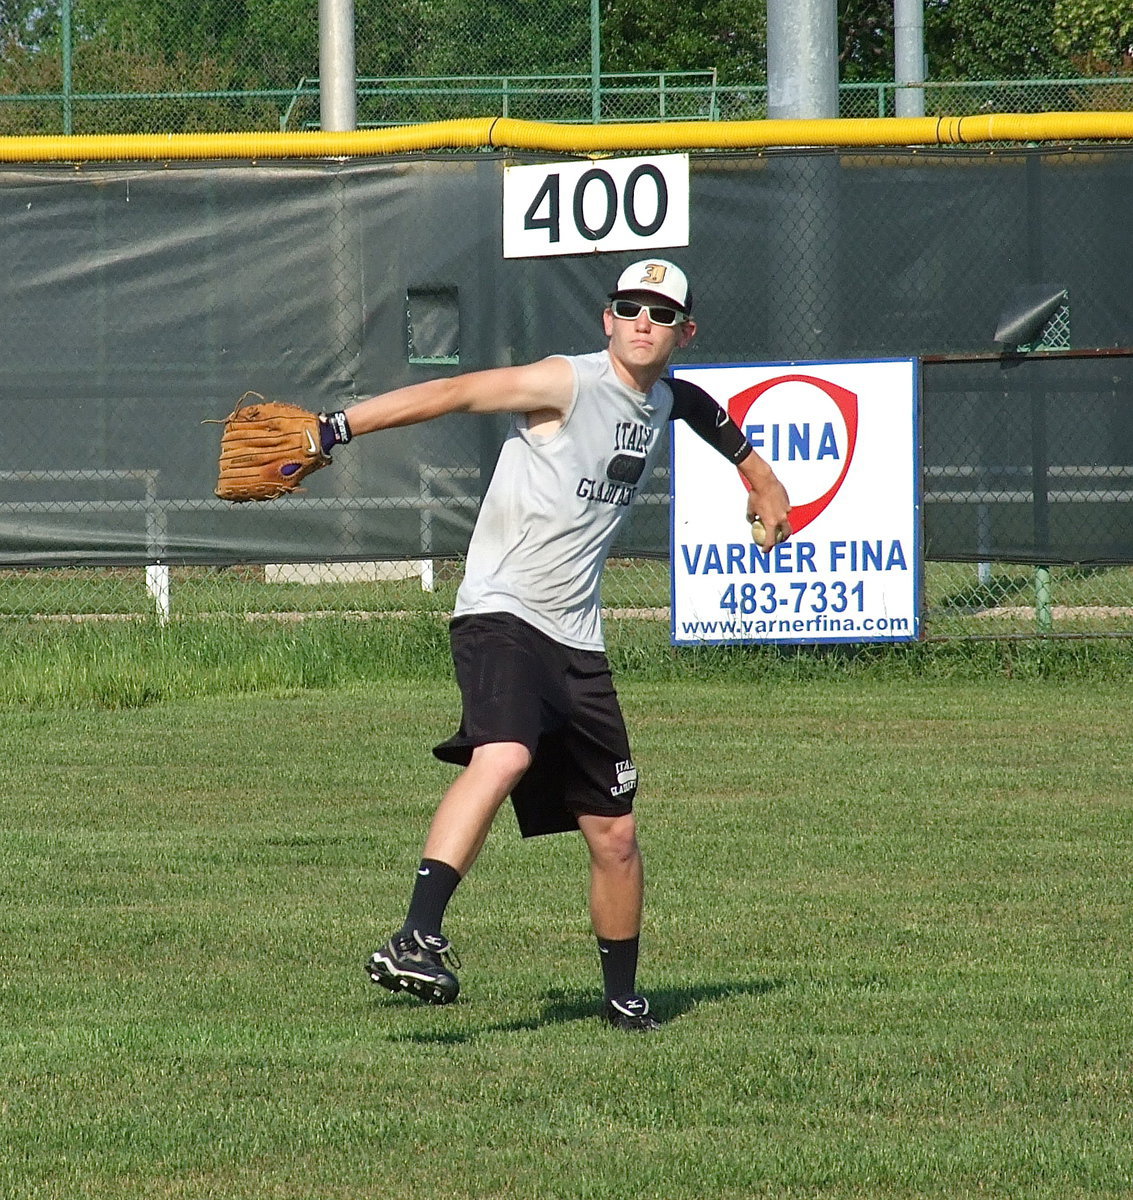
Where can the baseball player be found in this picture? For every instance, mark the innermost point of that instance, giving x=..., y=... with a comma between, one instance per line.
x=540, y=719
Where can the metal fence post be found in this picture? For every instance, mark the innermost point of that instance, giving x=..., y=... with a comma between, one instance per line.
x=908, y=56
x=1044, y=607
x=802, y=59
x=68, y=83
x=337, y=103
x=595, y=62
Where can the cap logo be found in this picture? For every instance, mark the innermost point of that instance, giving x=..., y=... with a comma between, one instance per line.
x=654, y=273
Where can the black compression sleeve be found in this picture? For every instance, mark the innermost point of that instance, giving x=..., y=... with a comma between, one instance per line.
x=705, y=417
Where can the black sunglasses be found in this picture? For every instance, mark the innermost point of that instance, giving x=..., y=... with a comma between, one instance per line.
x=659, y=314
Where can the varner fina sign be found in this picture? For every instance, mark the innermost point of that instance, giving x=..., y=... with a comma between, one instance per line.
x=842, y=437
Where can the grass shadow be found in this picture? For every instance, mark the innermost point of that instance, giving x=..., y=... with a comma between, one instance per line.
x=669, y=1004
x=562, y=1006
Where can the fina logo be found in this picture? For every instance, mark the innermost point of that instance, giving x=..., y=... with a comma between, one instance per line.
x=807, y=429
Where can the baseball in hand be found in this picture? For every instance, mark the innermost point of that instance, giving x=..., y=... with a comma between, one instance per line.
x=759, y=533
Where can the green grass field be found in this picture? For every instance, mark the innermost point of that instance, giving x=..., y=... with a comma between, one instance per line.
x=888, y=922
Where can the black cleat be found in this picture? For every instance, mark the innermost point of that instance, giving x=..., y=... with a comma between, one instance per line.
x=630, y=1013
x=417, y=963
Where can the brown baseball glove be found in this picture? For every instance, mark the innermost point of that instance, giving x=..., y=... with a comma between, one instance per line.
x=267, y=449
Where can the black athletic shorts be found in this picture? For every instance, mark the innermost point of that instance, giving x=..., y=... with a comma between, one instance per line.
x=518, y=685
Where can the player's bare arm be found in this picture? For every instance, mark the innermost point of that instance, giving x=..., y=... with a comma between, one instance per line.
x=268, y=448
x=767, y=499
x=542, y=389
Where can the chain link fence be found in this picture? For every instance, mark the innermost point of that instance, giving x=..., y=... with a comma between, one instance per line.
x=912, y=272
x=566, y=98
x=143, y=66
x=140, y=301
x=963, y=601
x=1028, y=476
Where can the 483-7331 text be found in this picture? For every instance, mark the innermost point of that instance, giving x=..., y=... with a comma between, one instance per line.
x=816, y=596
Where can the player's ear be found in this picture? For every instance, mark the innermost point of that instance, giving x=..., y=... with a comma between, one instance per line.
x=687, y=333
x=608, y=321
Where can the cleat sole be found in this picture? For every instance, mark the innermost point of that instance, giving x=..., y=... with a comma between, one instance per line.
x=427, y=990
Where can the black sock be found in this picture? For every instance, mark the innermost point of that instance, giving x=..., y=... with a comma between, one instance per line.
x=436, y=881
x=619, y=966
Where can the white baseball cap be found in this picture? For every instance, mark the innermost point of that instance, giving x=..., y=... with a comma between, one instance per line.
x=658, y=277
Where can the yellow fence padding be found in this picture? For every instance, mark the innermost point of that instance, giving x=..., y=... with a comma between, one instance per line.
x=504, y=133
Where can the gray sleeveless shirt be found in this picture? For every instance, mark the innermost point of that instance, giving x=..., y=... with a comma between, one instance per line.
x=555, y=505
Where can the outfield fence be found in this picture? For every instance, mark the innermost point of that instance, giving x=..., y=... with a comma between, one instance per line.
x=1027, y=536
x=141, y=299
x=91, y=67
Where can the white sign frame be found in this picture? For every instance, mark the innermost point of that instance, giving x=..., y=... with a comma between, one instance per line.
x=850, y=461
x=594, y=206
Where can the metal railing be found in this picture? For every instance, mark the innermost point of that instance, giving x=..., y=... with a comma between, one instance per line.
x=649, y=96
x=615, y=97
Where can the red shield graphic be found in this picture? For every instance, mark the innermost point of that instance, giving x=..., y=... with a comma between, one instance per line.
x=847, y=404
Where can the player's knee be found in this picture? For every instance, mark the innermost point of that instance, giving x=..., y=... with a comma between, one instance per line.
x=612, y=840
x=623, y=838
x=507, y=761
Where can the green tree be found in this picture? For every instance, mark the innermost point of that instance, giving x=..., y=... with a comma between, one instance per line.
x=504, y=37
x=266, y=44
x=1012, y=39
x=657, y=35
x=973, y=40
x=1096, y=35
x=865, y=40
x=24, y=24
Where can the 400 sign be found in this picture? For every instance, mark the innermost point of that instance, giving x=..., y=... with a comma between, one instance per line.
x=583, y=207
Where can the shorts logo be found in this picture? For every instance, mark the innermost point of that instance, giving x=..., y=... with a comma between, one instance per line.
x=627, y=778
